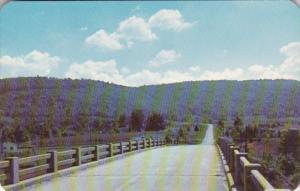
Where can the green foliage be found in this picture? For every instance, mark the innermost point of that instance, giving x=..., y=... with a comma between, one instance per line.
x=261, y=93
x=158, y=98
x=283, y=142
x=122, y=100
x=168, y=135
x=207, y=107
x=35, y=89
x=290, y=144
x=172, y=115
x=122, y=121
x=155, y=122
x=243, y=97
x=105, y=100
x=136, y=120
x=219, y=130
x=295, y=178
x=286, y=164
x=250, y=132
x=182, y=135
x=140, y=98
x=226, y=102
x=236, y=132
x=19, y=135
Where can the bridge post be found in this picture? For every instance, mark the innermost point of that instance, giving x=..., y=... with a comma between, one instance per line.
x=231, y=157
x=78, y=156
x=237, y=165
x=144, y=143
x=97, y=153
x=227, y=151
x=130, y=146
x=121, y=148
x=137, y=144
x=247, y=175
x=110, y=150
x=13, y=170
x=52, y=161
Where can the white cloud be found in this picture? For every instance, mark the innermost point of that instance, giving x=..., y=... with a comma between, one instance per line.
x=164, y=57
x=135, y=29
x=104, y=41
x=288, y=69
x=125, y=70
x=142, y=78
x=108, y=70
x=169, y=20
x=264, y=72
x=195, y=69
x=42, y=63
x=291, y=49
x=291, y=65
x=226, y=74
x=32, y=64
x=96, y=70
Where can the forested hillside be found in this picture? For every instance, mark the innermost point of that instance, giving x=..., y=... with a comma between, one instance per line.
x=49, y=103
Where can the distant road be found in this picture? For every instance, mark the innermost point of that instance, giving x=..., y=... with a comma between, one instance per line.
x=186, y=167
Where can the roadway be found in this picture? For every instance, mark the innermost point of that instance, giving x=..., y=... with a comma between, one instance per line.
x=183, y=167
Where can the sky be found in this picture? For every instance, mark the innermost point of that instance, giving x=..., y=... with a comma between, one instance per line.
x=140, y=43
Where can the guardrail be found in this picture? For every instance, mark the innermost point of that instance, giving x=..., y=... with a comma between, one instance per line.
x=14, y=170
x=241, y=174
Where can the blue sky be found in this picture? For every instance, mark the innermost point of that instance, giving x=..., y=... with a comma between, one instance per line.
x=136, y=43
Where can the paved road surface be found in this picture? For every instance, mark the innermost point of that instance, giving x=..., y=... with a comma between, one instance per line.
x=187, y=168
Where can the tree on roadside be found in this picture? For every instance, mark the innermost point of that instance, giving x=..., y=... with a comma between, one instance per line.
x=155, y=122
x=19, y=135
x=238, y=124
x=235, y=132
x=122, y=121
x=168, y=135
x=136, y=120
x=182, y=135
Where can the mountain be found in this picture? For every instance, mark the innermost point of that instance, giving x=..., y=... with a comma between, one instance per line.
x=80, y=104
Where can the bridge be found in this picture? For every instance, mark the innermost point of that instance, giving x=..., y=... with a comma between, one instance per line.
x=145, y=165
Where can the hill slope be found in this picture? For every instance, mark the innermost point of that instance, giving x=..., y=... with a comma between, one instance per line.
x=56, y=103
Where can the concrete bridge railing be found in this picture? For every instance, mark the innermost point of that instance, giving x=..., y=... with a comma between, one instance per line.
x=14, y=170
x=241, y=174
